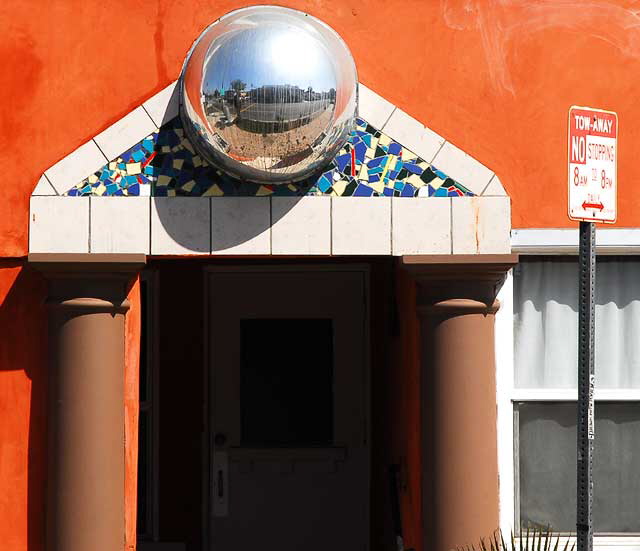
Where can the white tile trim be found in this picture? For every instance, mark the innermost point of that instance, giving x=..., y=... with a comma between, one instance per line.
x=480, y=225
x=494, y=188
x=163, y=106
x=44, y=187
x=58, y=224
x=180, y=226
x=354, y=225
x=301, y=225
x=421, y=226
x=361, y=226
x=240, y=225
x=463, y=168
x=125, y=133
x=373, y=108
x=117, y=226
x=413, y=135
x=565, y=241
x=76, y=166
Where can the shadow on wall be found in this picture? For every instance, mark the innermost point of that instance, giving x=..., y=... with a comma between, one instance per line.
x=204, y=226
x=23, y=401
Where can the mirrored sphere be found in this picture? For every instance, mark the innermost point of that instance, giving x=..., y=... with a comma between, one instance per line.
x=269, y=94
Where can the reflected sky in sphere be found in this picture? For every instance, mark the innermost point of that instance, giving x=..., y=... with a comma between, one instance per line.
x=269, y=94
x=293, y=58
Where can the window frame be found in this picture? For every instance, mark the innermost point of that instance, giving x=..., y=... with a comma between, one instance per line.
x=149, y=284
x=546, y=242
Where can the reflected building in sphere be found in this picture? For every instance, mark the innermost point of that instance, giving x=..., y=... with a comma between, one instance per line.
x=269, y=94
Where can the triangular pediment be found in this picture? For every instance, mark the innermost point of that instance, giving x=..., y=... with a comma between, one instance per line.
x=395, y=188
x=389, y=154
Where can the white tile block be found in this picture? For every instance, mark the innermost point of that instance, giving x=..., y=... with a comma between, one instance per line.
x=413, y=135
x=240, y=225
x=44, y=187
x=76, y=166
x=421, y=226
x=481, y=225
x=164, y=105
x=301, y=225
x=125, y=133
x=373, y=108
x=361, y=225
x=495, y=188
x=59, y=225
x=120, y=224
x=462, y=167
x=180, y=225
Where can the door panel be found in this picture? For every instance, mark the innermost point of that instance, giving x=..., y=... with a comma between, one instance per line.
x=289, y=396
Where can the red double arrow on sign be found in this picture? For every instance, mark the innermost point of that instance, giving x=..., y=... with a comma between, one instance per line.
x=598, y=206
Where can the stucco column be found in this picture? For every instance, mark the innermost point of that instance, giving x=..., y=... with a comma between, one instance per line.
x=456, y=306
x=86, y=462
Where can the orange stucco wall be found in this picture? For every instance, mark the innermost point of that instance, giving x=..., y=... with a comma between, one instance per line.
x=23, y=392
x=495, y=78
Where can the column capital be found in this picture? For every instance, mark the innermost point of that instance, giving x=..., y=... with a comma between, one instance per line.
x=57, y=265
x=454, y=284
x=88, y=282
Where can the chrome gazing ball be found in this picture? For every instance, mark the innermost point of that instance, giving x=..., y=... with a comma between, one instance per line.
x=268, y=94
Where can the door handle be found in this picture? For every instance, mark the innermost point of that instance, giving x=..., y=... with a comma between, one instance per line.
x=220, y=484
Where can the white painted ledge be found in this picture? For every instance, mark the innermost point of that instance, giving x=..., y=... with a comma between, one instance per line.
x=565, y=241
x=249, y=226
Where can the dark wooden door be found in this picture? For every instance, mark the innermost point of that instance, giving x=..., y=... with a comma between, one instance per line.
x=289, y=457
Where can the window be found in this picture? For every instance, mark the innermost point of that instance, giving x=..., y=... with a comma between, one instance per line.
x=286, y=393
x=543, y=394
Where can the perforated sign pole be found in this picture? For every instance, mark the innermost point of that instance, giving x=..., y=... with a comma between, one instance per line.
x=586, y=376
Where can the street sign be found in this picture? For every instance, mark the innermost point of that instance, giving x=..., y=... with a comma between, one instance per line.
x=593, y=161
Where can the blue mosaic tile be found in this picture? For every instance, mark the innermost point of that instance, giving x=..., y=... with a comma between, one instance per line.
x=370, y=164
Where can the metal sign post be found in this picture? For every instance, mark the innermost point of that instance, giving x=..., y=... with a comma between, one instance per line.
x=586, y=379
x=593, y=162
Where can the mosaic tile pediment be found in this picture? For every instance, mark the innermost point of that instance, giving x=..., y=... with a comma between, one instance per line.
x=371, y=164
x=388, y=154
x=460, y=206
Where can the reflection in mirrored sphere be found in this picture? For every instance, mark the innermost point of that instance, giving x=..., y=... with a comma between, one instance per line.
x=268, y=94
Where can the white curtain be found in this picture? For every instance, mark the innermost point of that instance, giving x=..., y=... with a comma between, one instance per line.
x=546, y=322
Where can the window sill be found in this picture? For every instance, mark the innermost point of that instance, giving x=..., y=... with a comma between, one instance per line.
x=571, y=395
x=630, y=542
